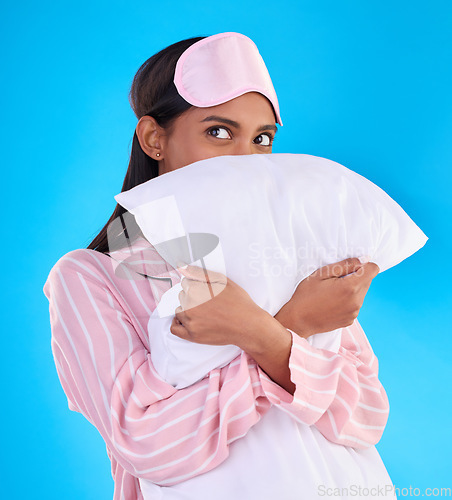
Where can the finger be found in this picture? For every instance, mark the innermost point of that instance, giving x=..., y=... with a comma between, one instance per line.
x=194, y=273
x=339, y=269
x=182, y=300
x=185, y=283
x=178, y=329
x=200, y=274
x=175, y=322
x=199, y=293
x=180, y=315
x=366, y=273
x=375, y=268
x=194, y=287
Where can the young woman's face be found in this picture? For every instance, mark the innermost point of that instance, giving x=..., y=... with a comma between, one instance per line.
x=244, y=125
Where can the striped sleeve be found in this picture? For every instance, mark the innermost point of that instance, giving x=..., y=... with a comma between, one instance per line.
x=152, y=430
x=339, y=393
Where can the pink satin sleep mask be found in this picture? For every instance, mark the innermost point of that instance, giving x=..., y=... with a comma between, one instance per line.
x=221, y=67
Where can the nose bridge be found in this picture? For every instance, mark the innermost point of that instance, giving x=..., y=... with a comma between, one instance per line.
x=243, y=147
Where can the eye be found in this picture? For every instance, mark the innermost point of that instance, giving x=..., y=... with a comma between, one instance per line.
x=219, y=132
x=264, y=140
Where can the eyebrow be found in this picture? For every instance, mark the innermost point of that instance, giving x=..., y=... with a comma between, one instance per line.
x=232, y=123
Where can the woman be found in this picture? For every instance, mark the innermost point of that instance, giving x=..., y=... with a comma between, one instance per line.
x=168, y=443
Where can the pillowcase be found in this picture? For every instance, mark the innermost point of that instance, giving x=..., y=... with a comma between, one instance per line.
x=267, y=221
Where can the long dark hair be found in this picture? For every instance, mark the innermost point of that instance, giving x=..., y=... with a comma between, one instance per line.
x=152, y=93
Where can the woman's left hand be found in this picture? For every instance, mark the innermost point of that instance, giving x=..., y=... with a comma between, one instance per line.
x=214, y=310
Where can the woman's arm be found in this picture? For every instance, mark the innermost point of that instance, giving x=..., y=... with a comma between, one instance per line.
x=153, y=430
x=328, y=299
x=339, y=392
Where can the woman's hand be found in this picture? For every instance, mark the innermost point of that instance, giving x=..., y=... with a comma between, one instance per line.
x=329, y=298
x=214, y=310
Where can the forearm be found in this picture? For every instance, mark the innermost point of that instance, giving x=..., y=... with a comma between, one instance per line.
x=271, y=350
x=338, y=392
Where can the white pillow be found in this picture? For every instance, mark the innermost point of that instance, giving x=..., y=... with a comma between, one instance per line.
x=269, y=222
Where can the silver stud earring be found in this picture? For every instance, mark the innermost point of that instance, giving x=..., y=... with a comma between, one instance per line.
x=158, y=154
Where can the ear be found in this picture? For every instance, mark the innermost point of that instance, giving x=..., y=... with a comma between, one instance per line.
x=151, y=136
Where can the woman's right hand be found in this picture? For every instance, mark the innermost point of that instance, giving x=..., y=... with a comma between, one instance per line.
x=329, y=298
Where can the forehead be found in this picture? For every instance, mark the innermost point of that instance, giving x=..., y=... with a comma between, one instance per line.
x=251, y=107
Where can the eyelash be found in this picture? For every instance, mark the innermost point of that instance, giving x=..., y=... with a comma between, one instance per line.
x=271, y=137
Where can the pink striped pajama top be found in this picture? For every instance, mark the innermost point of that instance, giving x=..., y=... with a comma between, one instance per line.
x=99, y=312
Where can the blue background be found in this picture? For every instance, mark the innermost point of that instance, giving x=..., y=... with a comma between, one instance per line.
x=364, y=83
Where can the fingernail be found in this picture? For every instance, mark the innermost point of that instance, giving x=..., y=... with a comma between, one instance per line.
x=364, y=259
